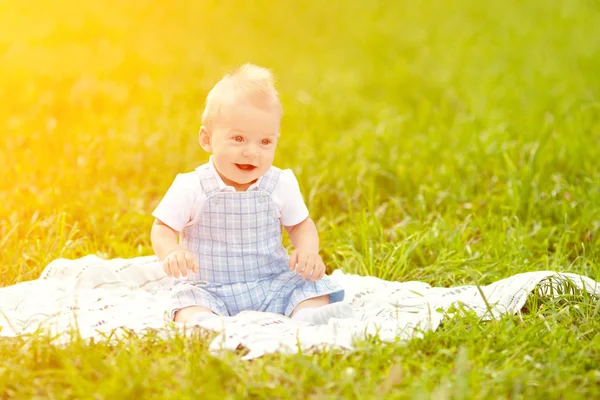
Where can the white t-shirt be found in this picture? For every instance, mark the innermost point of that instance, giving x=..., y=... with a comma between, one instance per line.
x=183, y=202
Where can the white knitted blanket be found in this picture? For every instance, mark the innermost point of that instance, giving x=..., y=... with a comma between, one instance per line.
x=104, y=299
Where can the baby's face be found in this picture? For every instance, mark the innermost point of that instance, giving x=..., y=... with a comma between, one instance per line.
x=243, y=141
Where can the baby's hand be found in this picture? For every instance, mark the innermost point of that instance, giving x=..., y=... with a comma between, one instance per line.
x=178, y=262
x=307, y=264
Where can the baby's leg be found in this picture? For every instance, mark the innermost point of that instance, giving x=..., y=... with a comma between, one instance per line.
x=312, y=303
x=193, y=314
x=318, y=310
x=193, y=303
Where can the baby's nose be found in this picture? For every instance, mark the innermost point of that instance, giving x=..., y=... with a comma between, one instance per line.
x=250, y=151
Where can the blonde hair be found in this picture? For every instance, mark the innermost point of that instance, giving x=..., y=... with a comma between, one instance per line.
x=249, y=83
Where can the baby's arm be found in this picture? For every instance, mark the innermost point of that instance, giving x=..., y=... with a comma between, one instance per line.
x=164, y=239
x=304, y=236
x=305, y=259
x=165, y=242
x=172, y=214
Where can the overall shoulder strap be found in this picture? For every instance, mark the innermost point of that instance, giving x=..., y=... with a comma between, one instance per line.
x=269, y=180
x=208, y=181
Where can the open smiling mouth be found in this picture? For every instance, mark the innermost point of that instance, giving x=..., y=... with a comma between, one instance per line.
x=246, y=167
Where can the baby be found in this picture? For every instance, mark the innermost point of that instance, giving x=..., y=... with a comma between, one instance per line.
x=229, y=214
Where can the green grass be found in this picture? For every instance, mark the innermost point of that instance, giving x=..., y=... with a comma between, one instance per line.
x=447, y=142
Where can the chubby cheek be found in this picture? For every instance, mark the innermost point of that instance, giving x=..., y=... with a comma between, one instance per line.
x=266, y=161
x=223, y=163
x=226, y=154
x=267, y=157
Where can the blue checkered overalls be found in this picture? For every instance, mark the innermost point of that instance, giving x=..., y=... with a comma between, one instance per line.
x=242, y=262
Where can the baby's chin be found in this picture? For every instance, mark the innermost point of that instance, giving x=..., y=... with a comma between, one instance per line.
x=245, y=178
x=244, y=181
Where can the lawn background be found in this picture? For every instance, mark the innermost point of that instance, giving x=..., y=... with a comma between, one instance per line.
x=452, y=142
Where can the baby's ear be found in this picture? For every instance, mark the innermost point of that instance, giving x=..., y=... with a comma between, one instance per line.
x=204, y=139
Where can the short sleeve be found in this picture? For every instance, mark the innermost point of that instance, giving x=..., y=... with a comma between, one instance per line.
x=176, y=207
x=287, y=194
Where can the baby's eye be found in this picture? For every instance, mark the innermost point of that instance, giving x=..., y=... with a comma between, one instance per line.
x=238, y=139
x=266, y=142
